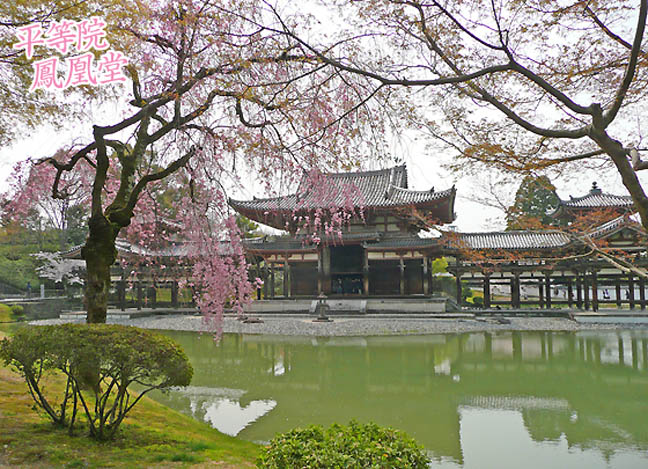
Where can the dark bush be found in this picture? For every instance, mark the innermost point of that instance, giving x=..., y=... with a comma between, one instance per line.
x=354, y=446
x=100, y=362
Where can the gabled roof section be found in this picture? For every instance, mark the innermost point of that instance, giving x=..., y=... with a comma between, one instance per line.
x=624, y=222
x=380, y=189
x=513, y=240
x=539, y=240
x=595, y=199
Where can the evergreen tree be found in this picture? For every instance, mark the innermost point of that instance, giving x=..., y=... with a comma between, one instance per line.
x=534, y=200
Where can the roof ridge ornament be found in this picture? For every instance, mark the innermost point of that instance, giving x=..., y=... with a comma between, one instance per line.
x=596, y=190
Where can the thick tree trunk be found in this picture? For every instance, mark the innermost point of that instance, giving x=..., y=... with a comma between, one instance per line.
x=628, y=175
x=99, y=253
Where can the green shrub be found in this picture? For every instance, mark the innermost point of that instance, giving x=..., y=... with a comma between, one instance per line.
x=354, y=446
x=478, y=301
x=17, y=310
x=100, y=362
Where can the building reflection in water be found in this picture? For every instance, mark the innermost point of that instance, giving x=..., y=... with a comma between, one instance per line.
x=583, y=392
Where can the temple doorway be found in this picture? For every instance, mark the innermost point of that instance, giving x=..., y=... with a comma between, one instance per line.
x=346, y=270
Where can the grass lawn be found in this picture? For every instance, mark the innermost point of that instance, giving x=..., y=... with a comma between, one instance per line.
x=151, y=436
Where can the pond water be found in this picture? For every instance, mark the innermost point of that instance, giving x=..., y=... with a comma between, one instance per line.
x=478, y=400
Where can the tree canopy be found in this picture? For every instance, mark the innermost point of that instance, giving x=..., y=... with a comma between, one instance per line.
x=507, y=84
x=535, y=199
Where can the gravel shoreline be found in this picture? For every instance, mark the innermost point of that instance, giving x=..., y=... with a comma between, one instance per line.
x=354, y=326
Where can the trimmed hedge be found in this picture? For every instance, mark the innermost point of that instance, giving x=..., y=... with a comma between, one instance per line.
x=354, y=446
x=100, y=361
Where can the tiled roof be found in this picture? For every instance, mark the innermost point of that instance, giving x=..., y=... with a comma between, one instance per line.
x=624, y=221
x=598, y=199
x=381, y=188
x=511, y=240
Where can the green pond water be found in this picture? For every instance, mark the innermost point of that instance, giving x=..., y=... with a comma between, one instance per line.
x=479, y=400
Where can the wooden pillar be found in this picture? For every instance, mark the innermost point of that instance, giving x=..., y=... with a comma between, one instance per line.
x=515, y=291
x=642, y=293
x=541, y=294
x=174, y=294
x=286, y=279
x=579, y=291
x=272, y=281
x=486, y=290
x=426, y=277
x=548, y=290
x=570, y=293
x=121, y=294
x=365, y=273
x=402, y=276
x=586, y=290
x=458, y=285
x=259, y=275
x=266, y=286
x=617, y=288
x=631, y=298
x=595, y=304
x=140, y=294
x=152, y=294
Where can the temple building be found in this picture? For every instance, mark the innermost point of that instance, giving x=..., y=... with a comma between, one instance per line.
x=379, y=252
x=376, y=260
